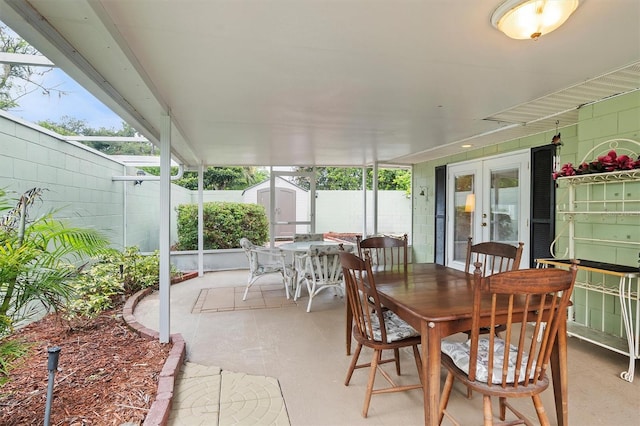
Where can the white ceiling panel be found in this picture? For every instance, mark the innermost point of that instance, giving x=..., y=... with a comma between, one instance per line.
x=327, y=82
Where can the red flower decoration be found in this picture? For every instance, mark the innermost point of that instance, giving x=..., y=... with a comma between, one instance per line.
x=605, y=163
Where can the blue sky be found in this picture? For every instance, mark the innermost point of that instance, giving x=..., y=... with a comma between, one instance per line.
x=76, y=103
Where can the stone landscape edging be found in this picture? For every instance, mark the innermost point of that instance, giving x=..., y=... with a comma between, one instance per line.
x=158, y=414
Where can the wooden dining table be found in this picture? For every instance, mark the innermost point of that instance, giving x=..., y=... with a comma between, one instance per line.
x=437, y=301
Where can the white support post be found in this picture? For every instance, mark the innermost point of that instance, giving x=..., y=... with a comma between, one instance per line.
x=364, y=202
x=313, y=200
x=272, y=208
x=200, y=220
x=374, y=186
x=165, y=239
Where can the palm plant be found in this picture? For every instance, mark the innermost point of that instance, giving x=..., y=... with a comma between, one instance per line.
x=37, y=259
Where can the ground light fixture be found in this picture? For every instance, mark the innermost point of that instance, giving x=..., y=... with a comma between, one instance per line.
x=529, y=19
x=52, y=366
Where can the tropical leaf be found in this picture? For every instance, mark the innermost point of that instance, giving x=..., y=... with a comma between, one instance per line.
x=39, y=258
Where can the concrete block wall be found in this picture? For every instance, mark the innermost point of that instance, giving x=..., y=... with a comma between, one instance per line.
x=616, y=118
x=77, y=179
x=79, y=185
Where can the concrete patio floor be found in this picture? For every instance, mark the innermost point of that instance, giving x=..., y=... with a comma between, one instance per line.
x=245, y=349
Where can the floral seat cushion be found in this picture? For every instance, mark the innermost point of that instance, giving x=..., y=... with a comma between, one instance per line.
x=459, y=353
x=397, y=329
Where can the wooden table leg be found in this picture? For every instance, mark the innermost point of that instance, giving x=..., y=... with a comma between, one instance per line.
x=430, y=340
x=560, y=374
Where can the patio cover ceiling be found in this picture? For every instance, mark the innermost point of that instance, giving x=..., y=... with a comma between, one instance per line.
x=353, y=82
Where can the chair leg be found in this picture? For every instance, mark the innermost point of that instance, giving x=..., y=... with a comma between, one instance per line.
x=446, y=393
x=488, y=414
x=246, y=290
x=354, y=362
x=349, y=322
x=416, y=356
x=250, y=282
x=287, y=281
x=372, y=379
x=297, y=293
x=311, y=289
x=396, y=354
x=540, y=411
x=310, y=300
x=503, y=408
x=469, y=393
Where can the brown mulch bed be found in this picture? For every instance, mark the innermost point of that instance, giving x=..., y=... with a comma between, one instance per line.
x=107, y=374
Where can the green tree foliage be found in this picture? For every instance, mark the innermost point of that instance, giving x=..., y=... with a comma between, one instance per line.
x=17, y=81
x=224, y=225
x=217, y=178
x=350, y=178
x=38, y=258
x=70, y=126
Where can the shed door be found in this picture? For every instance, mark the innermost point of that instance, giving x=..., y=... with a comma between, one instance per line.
x=285, y=211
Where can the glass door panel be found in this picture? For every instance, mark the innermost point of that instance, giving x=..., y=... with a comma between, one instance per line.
x=506, y=191
x=504, y=206
x=463, y=218
x=462, y=182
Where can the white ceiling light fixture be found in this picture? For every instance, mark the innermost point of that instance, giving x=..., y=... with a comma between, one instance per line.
x=529, y=19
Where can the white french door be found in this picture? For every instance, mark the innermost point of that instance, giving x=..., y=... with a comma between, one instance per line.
x=487, y=200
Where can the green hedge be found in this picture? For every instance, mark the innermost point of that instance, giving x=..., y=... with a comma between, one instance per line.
x=224, y=225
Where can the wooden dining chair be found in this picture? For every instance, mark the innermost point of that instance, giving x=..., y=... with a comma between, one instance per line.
x=375, y=328
x=494, y=257
x=484, y=364
x=385, y=251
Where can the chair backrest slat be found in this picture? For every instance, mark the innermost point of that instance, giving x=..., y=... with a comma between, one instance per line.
x=494, y=256
x=323, y=262
x=385, y=251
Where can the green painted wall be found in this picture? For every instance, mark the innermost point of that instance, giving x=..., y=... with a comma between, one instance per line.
x=617, y=117
x=424, y=176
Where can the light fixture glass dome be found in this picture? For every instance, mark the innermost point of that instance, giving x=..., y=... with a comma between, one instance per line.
x=529, y=19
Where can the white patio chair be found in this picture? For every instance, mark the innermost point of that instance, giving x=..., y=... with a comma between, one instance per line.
x=263, y=261
x=322, y=270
